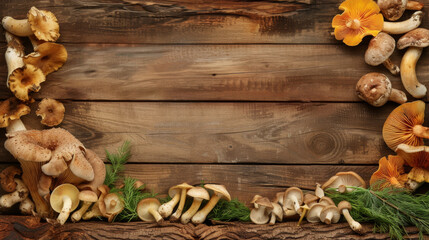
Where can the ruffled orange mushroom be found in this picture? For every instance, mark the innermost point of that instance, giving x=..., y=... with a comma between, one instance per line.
x=359, y=19
x=390, y=173
x=418, y=158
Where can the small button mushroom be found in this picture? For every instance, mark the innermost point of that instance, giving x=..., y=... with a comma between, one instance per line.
x=199, y=194
x=392, y=10
x=295, y=194
x=7, y=176
x=20, y=193
x=330, y=214
x=259, y=215
x=376, y=89
x=87, y=198
x=49, y=57
x=345, y=207
x=313, y=215
x=276, y=213
x=379, y=50
x=184, y=187
x=114, y=205
x=348, y=179
x=167, y=208
x=405, y=26
x=326, y=201
x=64, y=199
x=26, y=206
x=51, y=111
x=219, y=192
x=147, y=210
x=415, y=40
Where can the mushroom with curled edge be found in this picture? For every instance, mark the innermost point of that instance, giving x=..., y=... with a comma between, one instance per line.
x=276, y=213
x=279, y=198
x=51, y=111
x=147, y=210
x=43, y=24
x=343, y=180
x=20, y=193
x=14, y=54
x=259, y=215
x=48, y=57
x=114, y=205
x=184, y=187
x=289, y=211
x=7, y=176
x=99, y=170
x=416, y=157
x=415, y=41
x=11, y=110
x=404, y=125
x=64, y=200
x=405, y=26
x=376, y=89
x=167, y=208
x=310, y=199
x=313, y=215
x=390, y=173
x=392, y=10
x=219, y=192
x=295, y=194
x=87, y=198
x=330, y=214
x=326, y=201
x=379, y=50
x=24, y=80
x=344, y=208
x=198, y=194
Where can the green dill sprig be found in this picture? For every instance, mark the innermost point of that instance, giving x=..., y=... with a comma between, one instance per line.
x=117, y=160
x=228, y=211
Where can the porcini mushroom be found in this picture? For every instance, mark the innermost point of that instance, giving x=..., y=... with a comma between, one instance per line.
x=20, y=193
x=43, y=24
x=376, y=89
x=404, y=125
x=64, y=199
x=415, y=40
x=87, y=198
x=405, y=26
x=276, y=213
x=14, y=54
x=219, y=192
x=49, y=57
x=24, y=80
x=379, y=50
x=184, y=188
x=390, y=173
x=313, y=215
x=344, y=208
x=330, y=214
x=345, y=179
x=114, y=205
x=259, y=215
x=392, y=10
x=7, y=176
x=416, y=157
x=11, y=110
x=199, y=194
x=51, y=111
x=147, y=210
x=167, y=208
x=295, y=194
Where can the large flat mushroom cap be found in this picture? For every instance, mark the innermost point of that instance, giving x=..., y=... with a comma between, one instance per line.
x=380, y=48
x=25, y=79
x=418, y=37
x=418, y=158
x=24, y=145
x=345, y=179
x=49, y=57
x=219, y=189
x=56, y=198
x=44, y=24
x=12, y=109
x=399, y=125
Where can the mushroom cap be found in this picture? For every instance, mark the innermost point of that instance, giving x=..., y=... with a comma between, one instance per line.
x=44, y=24
x=144, y=206
x=294, y=191
x=263, y=201
x=310, y=198
x=25, y=79
x=374, y=88
x=178, y=189
x=254, y=199
x=313, y=214
x=418, y=37
x=346, y=179
x=7, y=176
x=279, y=197
x=198, y=192
x=59, y=192
x=380, y=48
x=219, y=190
x=88, y=196
x=51, y=111
x=114, y=204
x=12, y=109
x=392, y=9
x=277, y=211
x=49, y=57
x=398, y=127
x=258, y=215
x=418, y=158
x=99, y=169
x=390, y=172
x=326, y=201
x=334, y=210
x=344, y=205
x=24, y=145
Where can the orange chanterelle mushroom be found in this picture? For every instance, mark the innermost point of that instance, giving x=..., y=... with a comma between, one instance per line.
x=390, y=173
x=359, y=19
x=418, y=159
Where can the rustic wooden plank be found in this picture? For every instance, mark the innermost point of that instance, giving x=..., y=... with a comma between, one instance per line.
x=188, y=132
x=17, y=227
x=212, y=72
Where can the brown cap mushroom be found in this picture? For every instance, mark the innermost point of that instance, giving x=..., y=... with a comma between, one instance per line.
x=279, y=198
x=11, y=110
x=418, y=158
x=219, y=192
x=405, y=26
x=24, y=80
x=99, y=207
x=64, y=200
x=295, y=194
x=254, y=199
x=99, y=172
x=310, y=199
x=199, y=194
x=43, y=24
x=184, y=188
x=379, y=50
x=20, y=193
x=49, y=57
x=147, y=210
x=404, y=125
x=415, y=40
x=44, y=185
x=313, y=215
x=87, y=197
x=167, y=208
x=345, y=179
x=344, y=208
x=330, y=214
x=326, y=201
x=376, y=89
x=51, y=111
x=114, y=205
x=7, y=176
x=392, y=10
x=260, y=215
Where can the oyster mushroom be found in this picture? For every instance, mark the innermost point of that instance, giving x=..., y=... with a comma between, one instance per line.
x=405, y=26
x=87, y=198
x=64, y=200
x=295, y=194
x=310, y=199
x=259, y=215
x=199, y=194
x=219, y=192
x=344, y=208
x=276, y=213
x=51, y=111
x=392, y=10
x=147, y=210
x=379, y=50
x=343, y=180
x=48, y=57
x=390, y=173
x=326, y=201
x=330, y=214
x=313, y=215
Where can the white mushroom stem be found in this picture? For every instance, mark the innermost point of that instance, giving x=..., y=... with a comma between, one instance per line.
x=18, y=27
x=166, y=209
x=405, y=26
x=26, y=206
x=186, y=217
x=393, y=68
x=21, y=193
x=15, y=126
x=328, y=218
x=94, y=212
x=413, y=185
x=355, y=226
x=272, y=219
x=408, y=72
x=76, y=216
x=296, y=204
x=154, y=212
x=65, y=211
x=14, y=55
x=201, y=215
x=176, y=215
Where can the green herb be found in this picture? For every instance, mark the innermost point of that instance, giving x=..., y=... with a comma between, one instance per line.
x=117, y=160
x=391, y=209
x=228, y=211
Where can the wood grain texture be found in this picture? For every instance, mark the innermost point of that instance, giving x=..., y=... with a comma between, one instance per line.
x=193, y=132
x=15, y=227
x=212, y=73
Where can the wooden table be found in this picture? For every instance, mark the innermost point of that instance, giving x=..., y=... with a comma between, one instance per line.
x=256, y=95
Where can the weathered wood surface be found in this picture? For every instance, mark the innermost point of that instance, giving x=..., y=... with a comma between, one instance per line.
x=14, y=227
x=194, y=132
x=212, y=72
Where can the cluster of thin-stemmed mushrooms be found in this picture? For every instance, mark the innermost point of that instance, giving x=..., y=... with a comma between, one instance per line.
x=293, y=204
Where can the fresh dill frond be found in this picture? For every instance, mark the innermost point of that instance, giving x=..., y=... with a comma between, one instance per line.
x=117, y=160
x=228, y=211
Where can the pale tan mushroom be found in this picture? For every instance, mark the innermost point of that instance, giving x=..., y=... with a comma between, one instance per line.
x=330, y=214
x=405, y=26
x=51, y=111
x=184, y=188
x=344, y=208
x=87, y=198
x=295, y=194
x=114, y=205
x=99, y=170
x=276, y=213
x=64, y=200
x=166, y=209
x=219, y=192
x=20, y=193
x=14, y=54
x=344, y=179
x=259, y=215
x=147, y=210
x=198, y=194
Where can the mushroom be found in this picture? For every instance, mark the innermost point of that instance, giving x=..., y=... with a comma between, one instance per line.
x=295, y=194
x=7, y=176
x=390, y=173
x=219, y=192
x=147, y=210
x=114, y=205
x=319, y=191
x=184, y=188
x=24, y=80
x=20, y=193
x=44, y=185
x=313, y=215
x=167, y=208
x=64, y=200
x=87, y=197
x=276, y=213
x=199, y=194
x=303, y=213
x=289, y=209
x=49, y=57
x=26, y=206
x=99, y=170
x=14, y=54
x=279, y=198
x=254, y=199
x=94, y=212
x=415, y=40
x=379, y=50
x=330, y=214
x=416, y=157
x=139, y=185
x=11, y=110
x=99, y=207
x=404, y=125
x=344, y=208
x=344, y=179
x=405, y=26
x=326, y=201
x=376, y=89
x=43, y=24
x=51, y=111
x=259, y=215
x=310, y=199
x=392, y=10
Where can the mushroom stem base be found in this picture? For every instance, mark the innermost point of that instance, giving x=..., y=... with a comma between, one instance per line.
x=65, y=211
x=393, y=68
x=408, y=73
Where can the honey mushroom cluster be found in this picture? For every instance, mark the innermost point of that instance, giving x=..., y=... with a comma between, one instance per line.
x=293, y=204
x=151, y=210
